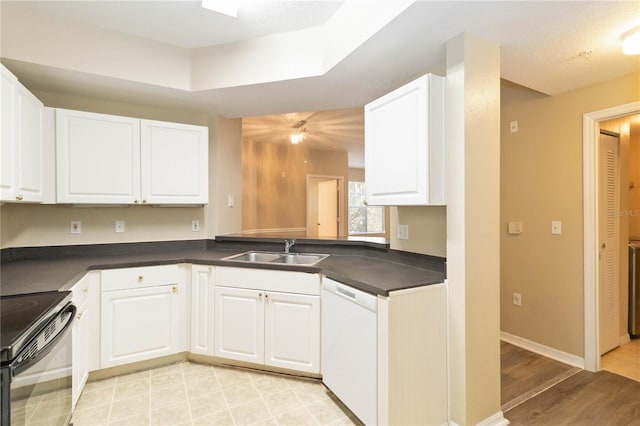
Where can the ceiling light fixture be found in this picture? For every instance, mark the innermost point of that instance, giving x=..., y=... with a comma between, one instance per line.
x=631, y=41
x=225, y=7
x=298, y=136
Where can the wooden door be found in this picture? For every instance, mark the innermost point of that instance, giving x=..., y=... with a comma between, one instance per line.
x=609, y=230
x=328, y=208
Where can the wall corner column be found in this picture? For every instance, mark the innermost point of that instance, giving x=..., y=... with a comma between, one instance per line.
x=473, y=219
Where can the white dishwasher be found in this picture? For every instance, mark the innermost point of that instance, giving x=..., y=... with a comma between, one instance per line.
x=349, y=348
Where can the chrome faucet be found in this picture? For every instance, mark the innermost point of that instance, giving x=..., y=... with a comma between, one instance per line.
x=288, y=244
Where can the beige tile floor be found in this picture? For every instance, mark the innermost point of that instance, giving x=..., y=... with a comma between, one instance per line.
x=624, y=360
x=186, y=393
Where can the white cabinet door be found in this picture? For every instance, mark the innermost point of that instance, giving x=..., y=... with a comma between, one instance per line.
x=239, y=324
x=404, y=145
x=174, y=163
x=22, y=142
x=7, y=135
x=98, y=158
x=140, y=324
x=292, y=331
x=80, y=352
x=29, y=136
x=202, y=308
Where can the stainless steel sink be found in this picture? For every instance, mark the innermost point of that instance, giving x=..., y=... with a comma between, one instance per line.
x=300, y=259
x=272, y=257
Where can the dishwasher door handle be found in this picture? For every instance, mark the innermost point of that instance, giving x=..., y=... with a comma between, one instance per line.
x=346, y=293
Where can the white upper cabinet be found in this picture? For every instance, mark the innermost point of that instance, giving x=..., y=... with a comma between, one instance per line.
x=174, y=163
x=21, y=176
x=404, y=145
x=98, y=158
x=107, y=159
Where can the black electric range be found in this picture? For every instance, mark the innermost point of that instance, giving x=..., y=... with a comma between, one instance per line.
x=34, y=333
x=23, y=316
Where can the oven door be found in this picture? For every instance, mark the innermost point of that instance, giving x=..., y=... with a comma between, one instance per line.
x=41, y=378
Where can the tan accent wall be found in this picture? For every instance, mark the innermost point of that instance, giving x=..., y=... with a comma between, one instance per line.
x=427, y=229
x=541, y=181
x=23, y=225
x=274, y=183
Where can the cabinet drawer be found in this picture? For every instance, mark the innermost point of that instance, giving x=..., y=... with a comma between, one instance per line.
x=145, y=276
x=264, y=279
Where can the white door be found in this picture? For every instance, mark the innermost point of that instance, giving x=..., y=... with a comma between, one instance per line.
x=328, y=208
x=174, y=163
x=239, y=324
x=7, y=136
x=80, y=352
x=29, y=116
x=202, y=305
x=98, y=158
x=139, y=324
x=292, y=331
x=608, y=229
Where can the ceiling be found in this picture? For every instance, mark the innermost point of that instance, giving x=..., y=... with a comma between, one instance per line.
x=548, y=46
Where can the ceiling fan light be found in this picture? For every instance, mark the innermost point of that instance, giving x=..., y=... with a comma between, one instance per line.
x=631, y=42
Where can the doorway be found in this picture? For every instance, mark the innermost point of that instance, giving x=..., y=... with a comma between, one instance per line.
x=324, y=205
x=592, y=216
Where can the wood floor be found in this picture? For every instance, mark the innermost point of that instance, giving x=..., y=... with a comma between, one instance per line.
x=624, y=360
x=540, y=391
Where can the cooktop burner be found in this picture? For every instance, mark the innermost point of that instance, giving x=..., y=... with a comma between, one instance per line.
x=20, y=315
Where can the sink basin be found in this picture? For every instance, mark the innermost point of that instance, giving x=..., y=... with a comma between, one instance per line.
x=300, y=259
x=284, y=258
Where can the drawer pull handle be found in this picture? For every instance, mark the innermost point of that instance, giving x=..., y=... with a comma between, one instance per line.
x=140, y=278
x=19, y=197
x=79, y=316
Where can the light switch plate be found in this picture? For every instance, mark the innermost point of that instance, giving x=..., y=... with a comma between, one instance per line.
x=556, y=227
x=195, y=225
x=119, y=225
x=515, y=228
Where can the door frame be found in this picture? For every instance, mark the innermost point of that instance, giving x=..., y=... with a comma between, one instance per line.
x=590, y=131
x=341, y=211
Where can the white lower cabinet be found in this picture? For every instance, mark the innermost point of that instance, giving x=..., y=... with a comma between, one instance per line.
x=255, y=321
x=239, y=324
x=143, y=314
x=85, y=331
x=202, y=288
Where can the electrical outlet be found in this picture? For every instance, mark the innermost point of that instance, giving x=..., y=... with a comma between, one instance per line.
x=556, y=227
x=119, y=225
x=195, y=226
x=230, y=201
x=517, y=299
x=75, y=227
x=513, y=126
x=403, y=232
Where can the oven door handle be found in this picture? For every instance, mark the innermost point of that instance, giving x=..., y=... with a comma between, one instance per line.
x=24, y=364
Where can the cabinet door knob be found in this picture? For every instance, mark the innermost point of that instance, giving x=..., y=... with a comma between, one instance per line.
x=174, y=289
x=266, y=295
x=79, y=316
x=135, y=201
x=144, y=201
x=260, y=295
x=85, y=290
x=19, y=197
x=140, y=278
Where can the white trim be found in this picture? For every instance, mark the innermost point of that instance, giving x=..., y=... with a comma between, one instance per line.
x=543, y=350
x=590, y=130
x=496, y=419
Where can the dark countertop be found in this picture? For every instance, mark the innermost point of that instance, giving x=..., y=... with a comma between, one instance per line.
x=372, y=270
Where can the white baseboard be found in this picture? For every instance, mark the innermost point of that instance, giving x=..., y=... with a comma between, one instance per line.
x=543, y=350
x=625, y=339
x=496, y=419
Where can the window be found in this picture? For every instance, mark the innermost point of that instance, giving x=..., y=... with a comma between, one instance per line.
x=363, y=219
